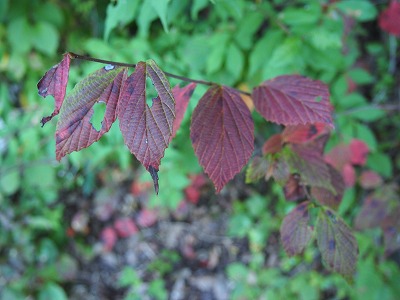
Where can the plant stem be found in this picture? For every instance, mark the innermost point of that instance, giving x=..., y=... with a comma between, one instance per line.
x=115, y=63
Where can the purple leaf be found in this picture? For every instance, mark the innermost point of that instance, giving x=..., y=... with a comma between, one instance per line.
x=74, y=128
x=222, y=134
x=293, y=100
x=147, y=130
x=182, y=97
x=295, y=231
x=54, y=83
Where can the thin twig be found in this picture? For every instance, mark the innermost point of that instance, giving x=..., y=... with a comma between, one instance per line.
x=115, y=63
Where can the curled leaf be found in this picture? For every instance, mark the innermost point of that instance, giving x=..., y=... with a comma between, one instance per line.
x=54, y=82
x=222, y=134
x=293, y=100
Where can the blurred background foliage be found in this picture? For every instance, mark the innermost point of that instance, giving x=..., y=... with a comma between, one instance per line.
x=233, y=42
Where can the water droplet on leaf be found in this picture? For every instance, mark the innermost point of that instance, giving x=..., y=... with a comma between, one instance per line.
x=109, y=67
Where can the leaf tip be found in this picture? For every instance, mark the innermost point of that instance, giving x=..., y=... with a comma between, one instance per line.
x=153, y=172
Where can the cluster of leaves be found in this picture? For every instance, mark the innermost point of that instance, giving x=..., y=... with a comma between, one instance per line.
x=222, y=131
x=295, y=159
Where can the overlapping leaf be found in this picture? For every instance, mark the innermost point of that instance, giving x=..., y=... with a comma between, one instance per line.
x=147, y=130
x=222, y=134
x=302, y=133
x=182, y=97
x=328, y=197
x=273, y=144
x=54, y=82
x=295, y=231
x=337, y=243
x=257, y=169
x=293, y=189
x=307, y=160
x=74, y=129
x=293, y=100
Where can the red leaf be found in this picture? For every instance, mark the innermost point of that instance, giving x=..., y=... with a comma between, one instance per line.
x=370, y=179
x=293, y=100
x=147, y=130
x=222, y=134
x=359, y=152
x=349, y=175
x=54, y=83
x=147, y=217
x=182, y=97
x=328, y=197
x=192, y=194
x=295, y=231
x=273, y=144
x=302, y=133
x=125, y=227
x=389, y=19
x=74, y=129
x=338, y=157
x=293, y=190
x=372, y=213
x=109, y=238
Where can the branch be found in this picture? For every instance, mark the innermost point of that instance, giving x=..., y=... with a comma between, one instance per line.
x=115, y=63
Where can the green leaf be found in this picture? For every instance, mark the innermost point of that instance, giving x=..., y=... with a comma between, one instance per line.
x=9, y=182
x=368, y=114
x=161, y=7
x=235, y=61
x=45, y=38
x=307, y=15
x=146, y=15
x=216, y=58
x=285, y=59
x=16, y=29
x=120, y=14
x=197, y=6
x=128, y=277
x=380, y=163
x=364, y=133
x=247, y=28
x=361, y=76
x=52, y=291
x=359, y=9
x=263, y=49
x=351, y=100
x=337, y=243
x=322, y=38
